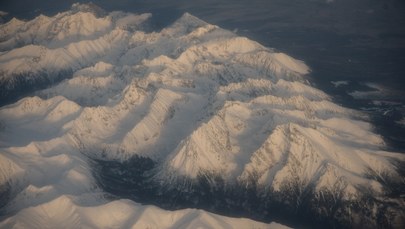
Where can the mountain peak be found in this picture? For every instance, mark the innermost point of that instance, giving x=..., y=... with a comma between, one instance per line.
x=88, y=8
x=186, y=23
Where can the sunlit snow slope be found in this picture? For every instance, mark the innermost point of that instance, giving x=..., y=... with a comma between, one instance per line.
x=196, y=99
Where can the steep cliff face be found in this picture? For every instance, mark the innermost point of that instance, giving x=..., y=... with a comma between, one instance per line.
x=197, y=100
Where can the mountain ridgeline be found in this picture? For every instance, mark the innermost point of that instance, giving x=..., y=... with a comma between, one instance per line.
x=293, y=205
x=190, y=116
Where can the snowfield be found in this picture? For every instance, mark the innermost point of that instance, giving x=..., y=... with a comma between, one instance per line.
x=197, y=100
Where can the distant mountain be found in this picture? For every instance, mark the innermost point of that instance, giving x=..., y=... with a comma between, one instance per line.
x=189, y=116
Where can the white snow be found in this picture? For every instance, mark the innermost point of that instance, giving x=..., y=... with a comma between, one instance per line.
x=376, y=91
x=401, y=121
x=194, y=97
x=340, y=83
x=63, y=211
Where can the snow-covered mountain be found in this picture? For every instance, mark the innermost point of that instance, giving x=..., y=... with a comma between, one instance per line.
x=200, y=103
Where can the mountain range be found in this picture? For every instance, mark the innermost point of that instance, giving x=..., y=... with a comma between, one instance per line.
x=102, y=113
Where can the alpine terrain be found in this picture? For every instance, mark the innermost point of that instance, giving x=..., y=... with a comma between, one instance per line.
x=104, y=116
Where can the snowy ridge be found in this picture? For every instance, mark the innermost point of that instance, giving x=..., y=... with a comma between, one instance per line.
x=122, y=214
x=194, y=98
x=48, y=49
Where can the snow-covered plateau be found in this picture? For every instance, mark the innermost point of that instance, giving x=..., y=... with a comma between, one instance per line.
x=101, y=113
